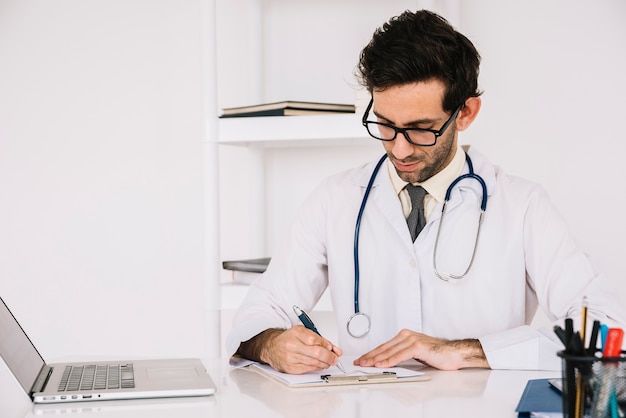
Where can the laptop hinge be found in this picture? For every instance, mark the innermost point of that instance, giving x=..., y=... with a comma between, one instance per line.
x=42, y=379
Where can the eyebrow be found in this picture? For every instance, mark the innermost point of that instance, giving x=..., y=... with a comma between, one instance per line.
x=413, y=123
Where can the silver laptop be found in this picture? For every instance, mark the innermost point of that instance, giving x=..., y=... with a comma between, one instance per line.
x=91, y=381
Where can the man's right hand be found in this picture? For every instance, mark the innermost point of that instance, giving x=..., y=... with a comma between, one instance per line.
x=295, y=351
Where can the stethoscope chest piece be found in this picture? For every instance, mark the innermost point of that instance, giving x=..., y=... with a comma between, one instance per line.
x=358, y=325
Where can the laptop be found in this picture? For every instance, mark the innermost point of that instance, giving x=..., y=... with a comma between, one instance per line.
x=98, y=380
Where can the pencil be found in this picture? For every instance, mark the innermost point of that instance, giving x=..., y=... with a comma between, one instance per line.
x=580, y=389
x=583, y=325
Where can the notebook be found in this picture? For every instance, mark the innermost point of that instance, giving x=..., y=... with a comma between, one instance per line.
x=91, y=381
x=540, y=398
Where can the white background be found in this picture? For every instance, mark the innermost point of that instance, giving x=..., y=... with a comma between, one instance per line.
x=101, y=124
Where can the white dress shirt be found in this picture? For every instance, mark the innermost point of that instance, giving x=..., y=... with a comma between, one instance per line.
x=436, y=186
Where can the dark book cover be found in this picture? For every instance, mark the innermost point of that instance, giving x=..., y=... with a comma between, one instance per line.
x=539, y=396
x=254, y=265
x=287, y=108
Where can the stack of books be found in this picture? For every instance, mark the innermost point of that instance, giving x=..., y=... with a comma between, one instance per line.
x=287, y=108
x=245, y=271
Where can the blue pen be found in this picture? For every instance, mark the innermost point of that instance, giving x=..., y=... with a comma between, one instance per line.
x=306, y=321
x=612, y=404
x=604, y=331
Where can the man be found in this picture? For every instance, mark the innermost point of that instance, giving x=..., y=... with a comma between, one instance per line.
x=459, y=294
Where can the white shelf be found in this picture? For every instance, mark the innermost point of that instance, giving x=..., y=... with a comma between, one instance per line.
x=282, y=131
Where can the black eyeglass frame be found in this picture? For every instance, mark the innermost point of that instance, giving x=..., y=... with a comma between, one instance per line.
x=404, y=131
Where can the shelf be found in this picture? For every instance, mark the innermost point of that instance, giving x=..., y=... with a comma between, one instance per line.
x=281, y=131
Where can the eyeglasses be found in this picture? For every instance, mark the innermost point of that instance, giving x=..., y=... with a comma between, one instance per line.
x=416, y=136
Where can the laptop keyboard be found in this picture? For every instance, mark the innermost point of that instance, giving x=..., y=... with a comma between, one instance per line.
x=97, y=377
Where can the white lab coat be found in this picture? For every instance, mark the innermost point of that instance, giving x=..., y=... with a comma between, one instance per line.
x=525, y=258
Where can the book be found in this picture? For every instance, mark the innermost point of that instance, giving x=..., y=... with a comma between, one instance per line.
x=287, y=108
x=255, y=265
x=540, y=398
x=246, y=271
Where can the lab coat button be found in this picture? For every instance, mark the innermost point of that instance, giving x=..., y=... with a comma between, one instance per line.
x=412, y=263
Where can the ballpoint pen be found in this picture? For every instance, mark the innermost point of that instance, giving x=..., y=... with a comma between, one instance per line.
x=306, y=321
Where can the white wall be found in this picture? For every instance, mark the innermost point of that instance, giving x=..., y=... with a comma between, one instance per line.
x=101, y=175
x=553, y=76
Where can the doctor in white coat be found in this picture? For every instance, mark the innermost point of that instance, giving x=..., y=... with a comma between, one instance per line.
x=423, y=78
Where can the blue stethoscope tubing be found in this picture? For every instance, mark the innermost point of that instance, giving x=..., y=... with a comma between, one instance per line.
x=359, y=323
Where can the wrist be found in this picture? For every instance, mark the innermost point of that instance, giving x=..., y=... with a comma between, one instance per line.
x=470, y=353
x=267, y=344
x=257, y=347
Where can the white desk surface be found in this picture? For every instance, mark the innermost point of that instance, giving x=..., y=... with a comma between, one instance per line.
x=240, y=393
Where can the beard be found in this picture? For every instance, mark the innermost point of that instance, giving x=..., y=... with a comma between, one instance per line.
x=442, y=153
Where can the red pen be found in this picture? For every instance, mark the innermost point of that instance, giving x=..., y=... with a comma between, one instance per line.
x=603, y=405
x=613, y=344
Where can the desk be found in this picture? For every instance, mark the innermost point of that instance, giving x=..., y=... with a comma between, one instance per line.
x=242, y=393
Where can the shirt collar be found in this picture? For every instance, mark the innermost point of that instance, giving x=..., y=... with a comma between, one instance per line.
x=437, y=185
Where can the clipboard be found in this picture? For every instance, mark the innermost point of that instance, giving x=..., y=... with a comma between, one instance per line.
x=334, y=377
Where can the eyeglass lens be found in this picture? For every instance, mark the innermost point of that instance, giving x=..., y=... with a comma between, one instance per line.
x=387, y=133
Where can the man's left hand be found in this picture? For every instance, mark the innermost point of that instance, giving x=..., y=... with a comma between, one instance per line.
x=434, y=352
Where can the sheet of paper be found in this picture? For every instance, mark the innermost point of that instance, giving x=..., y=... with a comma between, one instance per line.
x=314, y=377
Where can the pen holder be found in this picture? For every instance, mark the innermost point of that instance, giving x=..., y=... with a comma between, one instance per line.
x=594, y=385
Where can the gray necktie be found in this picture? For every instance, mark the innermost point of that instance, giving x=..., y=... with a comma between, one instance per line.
x=416, y=219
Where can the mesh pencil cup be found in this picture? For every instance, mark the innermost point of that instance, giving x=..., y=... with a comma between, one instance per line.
x=594, y=385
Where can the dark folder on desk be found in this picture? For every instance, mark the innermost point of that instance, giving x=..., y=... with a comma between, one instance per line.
x=539, y=396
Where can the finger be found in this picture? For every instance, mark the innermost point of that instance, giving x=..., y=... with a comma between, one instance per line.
x=299, y=367
x=389, y=354
x=310, y=338
x=322, y=352
x=301, y=360
x=338, y=351
x=311, y=362
x=368, y=359
x=402, y=350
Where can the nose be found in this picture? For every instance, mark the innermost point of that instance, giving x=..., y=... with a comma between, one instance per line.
x=401, y=147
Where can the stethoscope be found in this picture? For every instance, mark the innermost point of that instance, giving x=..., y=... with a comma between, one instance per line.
x=359, y=323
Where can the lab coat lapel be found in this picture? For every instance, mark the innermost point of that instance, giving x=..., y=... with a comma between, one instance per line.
x=481, y=167
x=384, y=199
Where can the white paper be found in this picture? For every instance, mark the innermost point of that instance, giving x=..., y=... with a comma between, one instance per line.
x=314, y=377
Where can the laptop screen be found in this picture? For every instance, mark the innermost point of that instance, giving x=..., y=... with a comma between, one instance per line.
x=17, y=351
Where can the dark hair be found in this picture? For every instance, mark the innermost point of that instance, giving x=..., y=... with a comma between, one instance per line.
x=421, y=46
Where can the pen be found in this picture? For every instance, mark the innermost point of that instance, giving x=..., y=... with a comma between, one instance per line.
x=604, y=331
x=306, y=321
x=613, y=348
x=593, y=340
x=560, y=332
x=604, y=405
x=569, y=330
x=613, y=344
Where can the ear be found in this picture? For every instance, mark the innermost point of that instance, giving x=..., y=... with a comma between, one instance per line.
x=468, y=113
